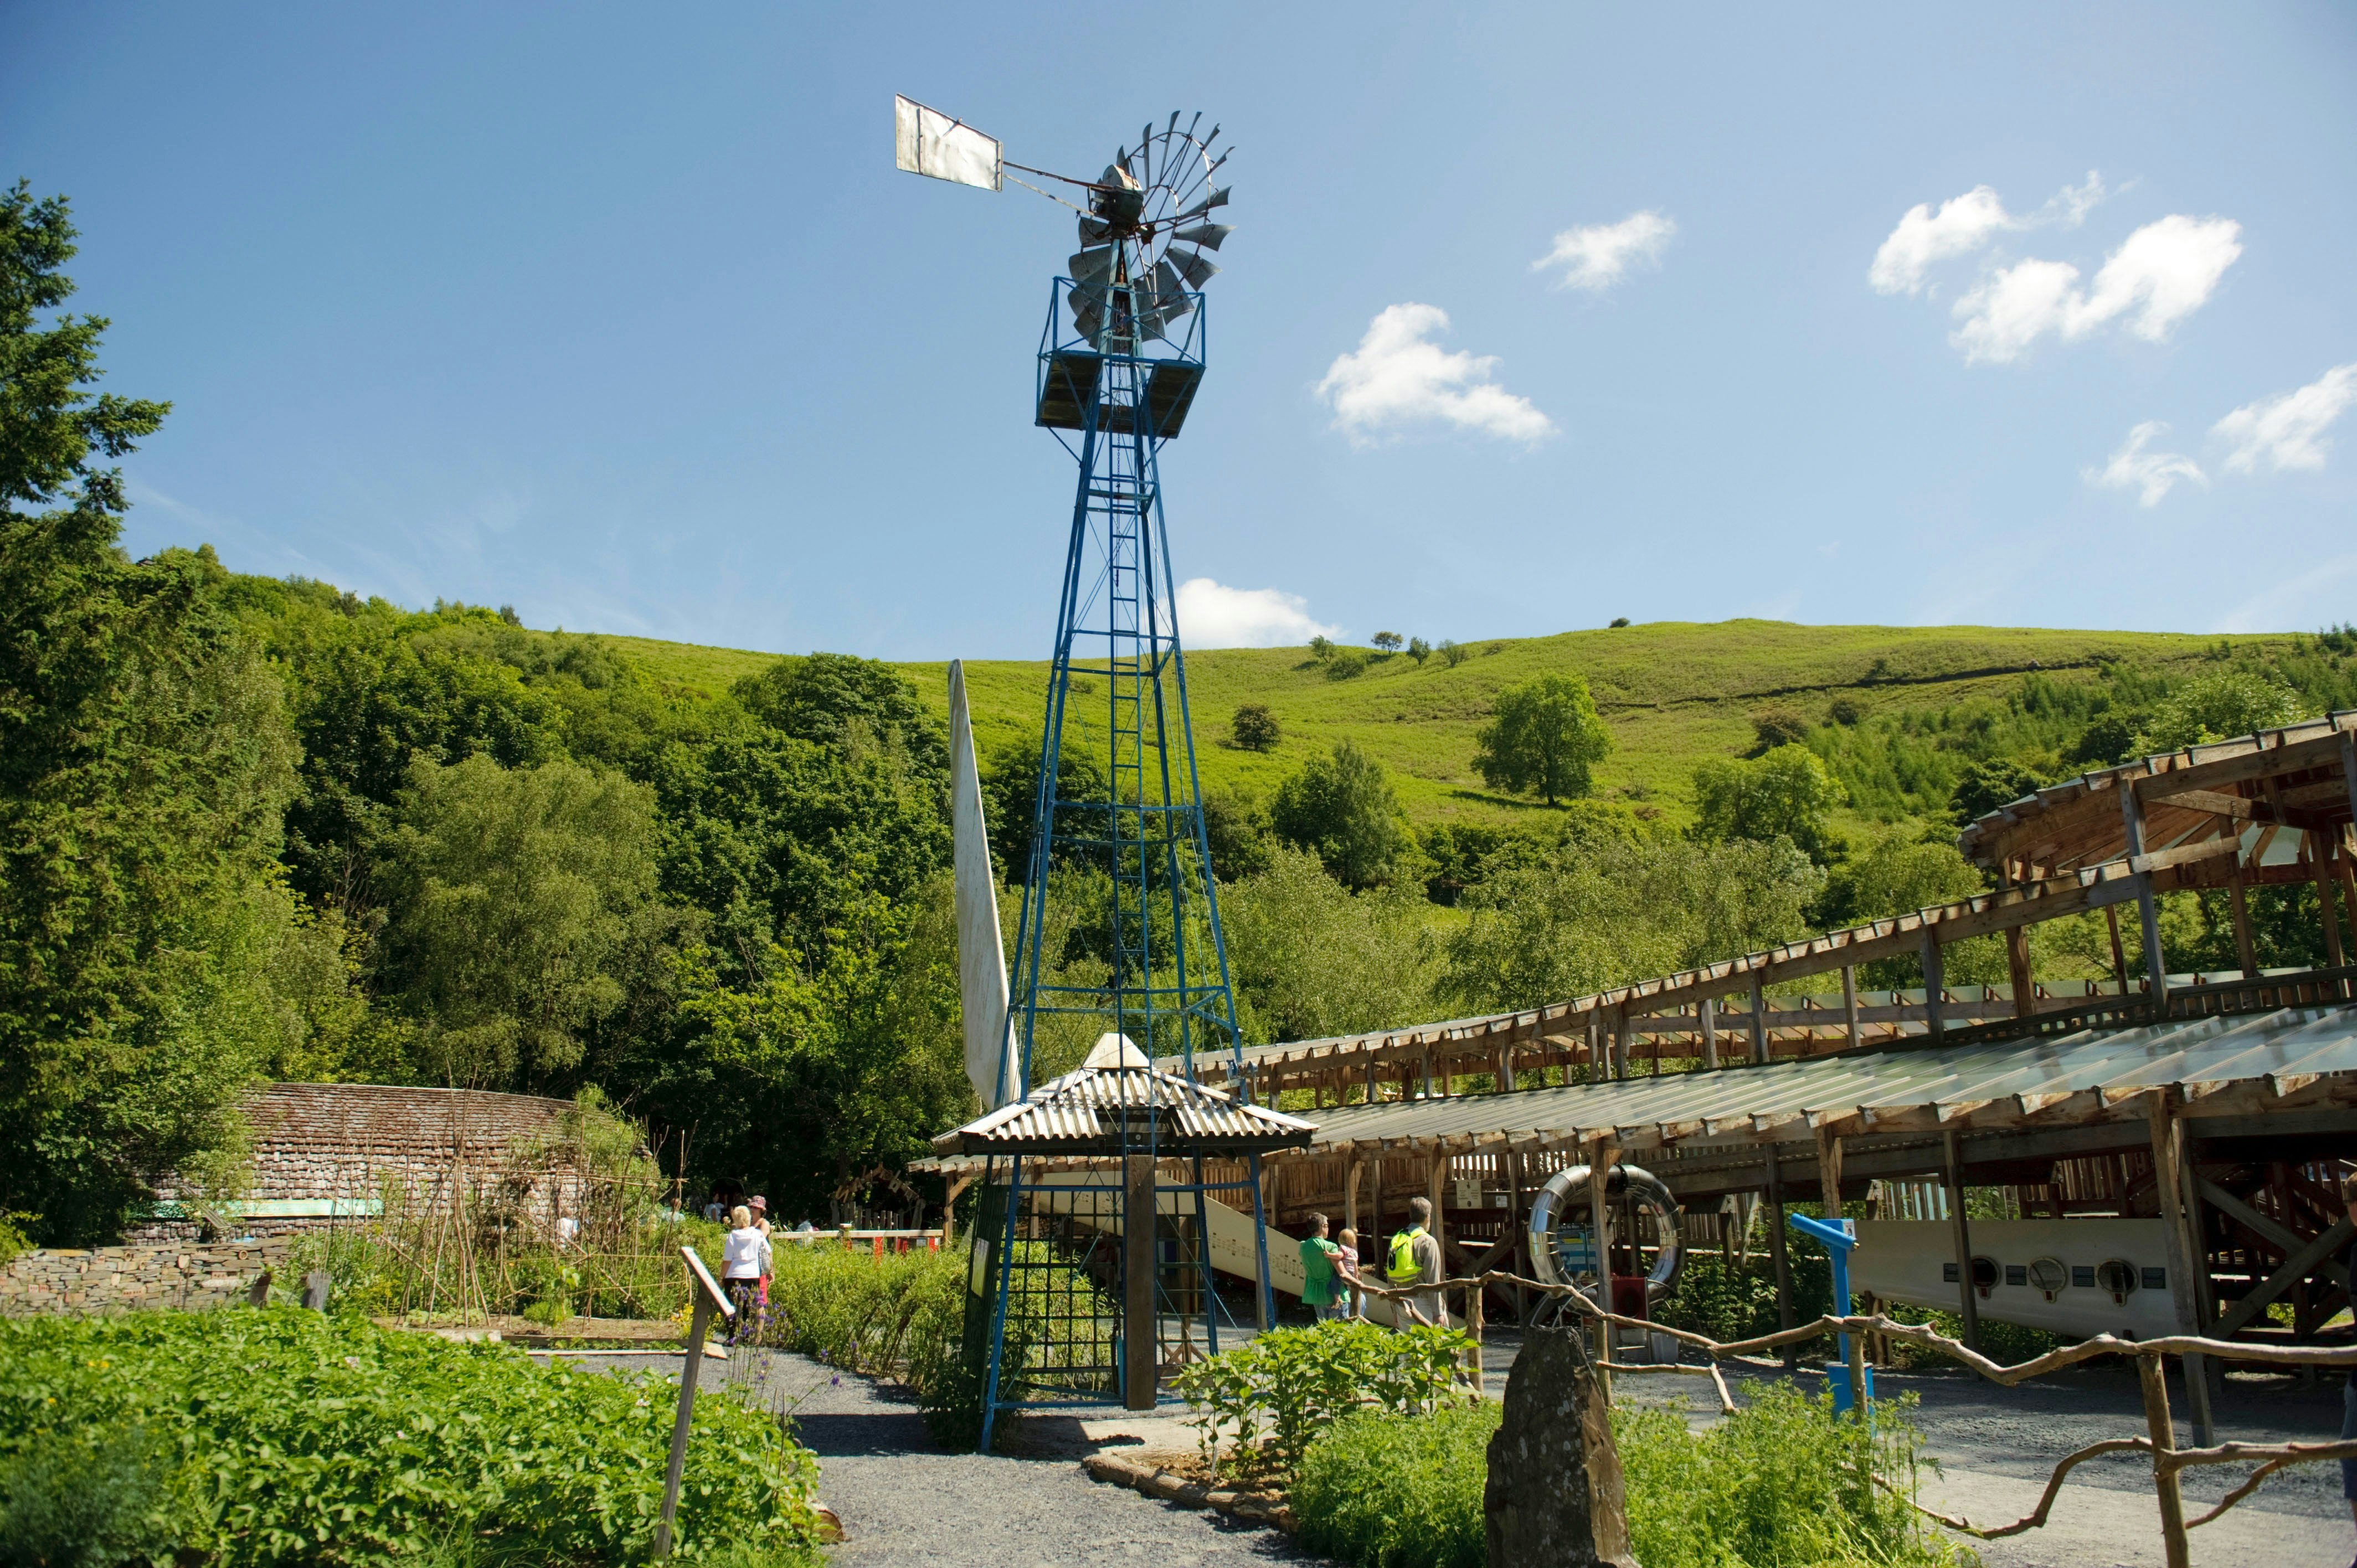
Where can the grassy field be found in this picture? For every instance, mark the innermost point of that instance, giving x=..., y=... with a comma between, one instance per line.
x=1674, y=693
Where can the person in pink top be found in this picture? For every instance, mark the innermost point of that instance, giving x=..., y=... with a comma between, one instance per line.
x=1346, y=1263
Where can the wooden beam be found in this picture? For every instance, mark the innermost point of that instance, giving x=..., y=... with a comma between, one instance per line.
x=1829, y=1169
x=2239, y=903
x=1849, y=1007
x=2296, y=1267
x=1758, y=1019
x=1601, y=1154
x=2017, y=962
x=1777, y=1255
x=1708, y=1008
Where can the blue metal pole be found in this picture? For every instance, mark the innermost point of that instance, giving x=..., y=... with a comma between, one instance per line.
x=1260, y=1247
x=998, y=1310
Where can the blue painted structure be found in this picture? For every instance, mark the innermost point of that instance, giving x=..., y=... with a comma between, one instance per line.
x=1120, y=393
x=1840, y=1237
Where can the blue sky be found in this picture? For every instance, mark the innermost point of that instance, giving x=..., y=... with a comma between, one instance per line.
x=622, y=315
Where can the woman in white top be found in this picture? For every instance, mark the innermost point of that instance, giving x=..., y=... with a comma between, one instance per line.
x=744, y=1260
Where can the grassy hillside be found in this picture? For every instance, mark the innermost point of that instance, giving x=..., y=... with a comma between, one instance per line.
x=1674, y=693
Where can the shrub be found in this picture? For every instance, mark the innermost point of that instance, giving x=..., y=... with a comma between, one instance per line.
x=1452, y=653
x=1617, y=622
x=1779, y=1484
x=1388, y=1491
x=1389, y=641
x=280, y=1433
x=1419, y=651
x=83, y=1498
x=1291, y=1383
x=1844, y=712
x=1347, y=663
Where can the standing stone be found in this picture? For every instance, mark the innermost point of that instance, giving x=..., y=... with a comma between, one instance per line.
x=1555, y=1497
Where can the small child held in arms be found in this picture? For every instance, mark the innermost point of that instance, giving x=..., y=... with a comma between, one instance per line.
x=1346, y=1263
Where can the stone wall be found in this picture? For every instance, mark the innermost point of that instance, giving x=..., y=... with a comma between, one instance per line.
x=101, y=1280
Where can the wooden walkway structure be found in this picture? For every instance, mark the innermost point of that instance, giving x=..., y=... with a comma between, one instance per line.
x=2218, y=1103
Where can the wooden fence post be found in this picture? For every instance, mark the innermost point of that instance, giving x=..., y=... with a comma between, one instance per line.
x=1599, y=1217
x=1952, y=1149
x=706, y=1298
x=2163, y=1432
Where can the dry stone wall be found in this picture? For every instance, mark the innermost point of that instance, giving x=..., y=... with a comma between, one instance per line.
x=94, y=1281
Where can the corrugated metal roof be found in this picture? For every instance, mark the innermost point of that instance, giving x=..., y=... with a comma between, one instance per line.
x=2303, y=1055
x=1083, y=1110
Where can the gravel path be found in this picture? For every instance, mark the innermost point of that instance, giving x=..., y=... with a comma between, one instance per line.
x=905, y=1503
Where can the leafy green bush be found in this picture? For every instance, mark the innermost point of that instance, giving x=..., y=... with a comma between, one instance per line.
x=1779, y=1484
x=1383, y=1490
x=852, y=1307
x=1278, y=1390
x=83, y=1499
x=283, y=1436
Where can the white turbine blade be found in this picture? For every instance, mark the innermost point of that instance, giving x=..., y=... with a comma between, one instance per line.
x=990, y=1062
x=928, y=142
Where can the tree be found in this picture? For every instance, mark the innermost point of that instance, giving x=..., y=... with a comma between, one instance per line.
x=1773, y=728
x=1319, y=647
x=1451, y=653
x=1617, y=622
x=1310, y=959
x=1341, y=808
x=839, y=700
x=145, y=766
x=1255, y=727
x=1010, y=792
x=2219, y=707
x=524, y=900
x=1786, y=794
x=1419, y=651
x=1987, y=786
x=1610, y=910
x=1389, y=641
x=1544, y=738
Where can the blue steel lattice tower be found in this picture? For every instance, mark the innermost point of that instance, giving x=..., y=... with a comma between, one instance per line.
x=1120, y=380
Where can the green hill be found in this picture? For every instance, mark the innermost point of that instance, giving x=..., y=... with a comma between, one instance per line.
x=1921, y=703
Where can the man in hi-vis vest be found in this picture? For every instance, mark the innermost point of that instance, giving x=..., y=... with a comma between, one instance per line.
x=1415, y=1260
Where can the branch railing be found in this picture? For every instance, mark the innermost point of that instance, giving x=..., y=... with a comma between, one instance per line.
x=2169, y=1461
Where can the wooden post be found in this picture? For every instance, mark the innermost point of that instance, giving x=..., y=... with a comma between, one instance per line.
x=1829, y=1166
x=1350, y=1173
x=1849, y=1007
x=1708, y=1008
x=2017, y=962
x=2244, y=948
x=1952, y=1149
x=1370, y=1080
x=2319, y=863
x=2163, y=1433
x=2147, y=911
x=1600, y=1155
x=1435, y=1190
x=704, y=1299
x=1476, y=1319
x=2119, y=954
x=1141, y=1363
x=1758, y=1019
x=1777, y=1255
x=1377, y=1244
x=949, y=1210
x=2184, y=1253
x=1935, y=980
x=1595, y=1045
x=1621, y=1023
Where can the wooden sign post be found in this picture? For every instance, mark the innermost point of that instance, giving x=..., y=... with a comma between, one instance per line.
x=706, y=1298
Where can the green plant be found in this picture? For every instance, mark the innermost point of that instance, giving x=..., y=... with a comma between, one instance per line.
x=1347, y=663
x=1382, y=1490
x=1255, y=728
x=1781, y=1483
x=83, y=1498
x=1279, y=1391
x=290, y=1437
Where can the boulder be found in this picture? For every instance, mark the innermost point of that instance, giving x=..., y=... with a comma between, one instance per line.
x=1555, y=1497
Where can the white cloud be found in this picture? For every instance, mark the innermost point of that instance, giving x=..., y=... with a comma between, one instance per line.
x=1398, y=377
x=2287, y=430
x=1601, y=256
x=2164, y=273
x=1212, y=615
x=2150, y=474
x=1961, y=225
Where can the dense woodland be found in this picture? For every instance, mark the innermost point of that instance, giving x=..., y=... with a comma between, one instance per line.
x=261, y=829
